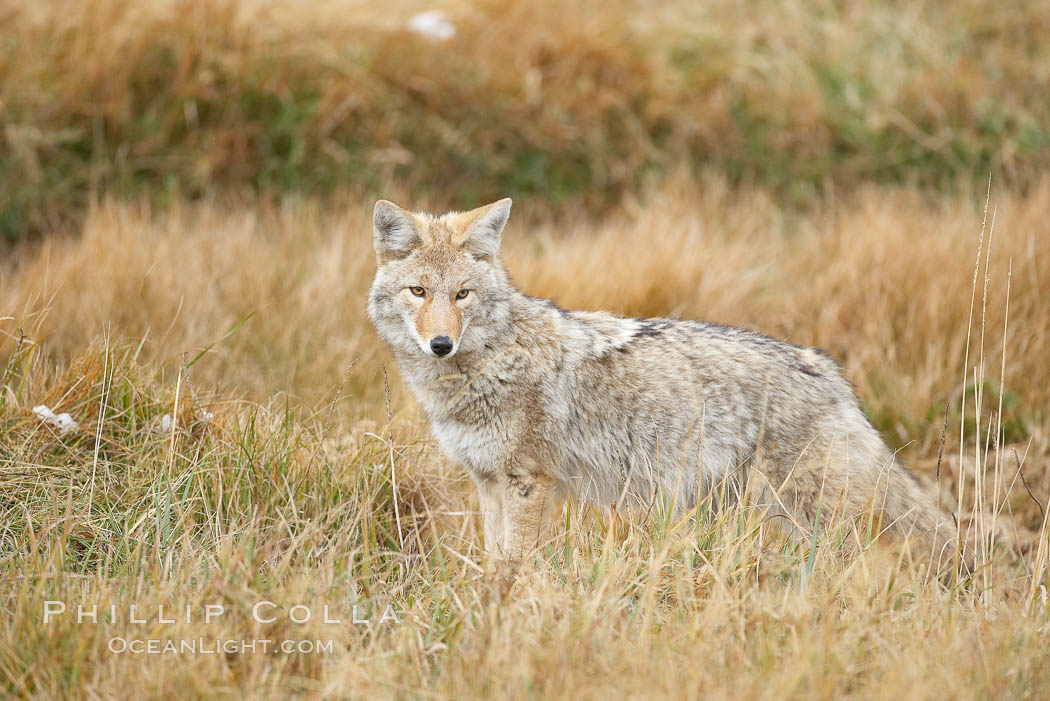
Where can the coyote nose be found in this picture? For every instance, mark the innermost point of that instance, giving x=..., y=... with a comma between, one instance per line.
x=442, y=345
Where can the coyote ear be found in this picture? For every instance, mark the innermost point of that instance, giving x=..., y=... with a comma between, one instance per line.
x=395, y=231
x=483, y=228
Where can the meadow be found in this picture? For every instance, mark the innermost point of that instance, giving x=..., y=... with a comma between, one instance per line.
x=299, y=470
x=187, y=282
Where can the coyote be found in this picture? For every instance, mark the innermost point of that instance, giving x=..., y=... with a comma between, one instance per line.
x=539, y=403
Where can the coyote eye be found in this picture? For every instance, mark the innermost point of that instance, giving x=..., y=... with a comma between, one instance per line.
x=462, y=294
x=417, y=291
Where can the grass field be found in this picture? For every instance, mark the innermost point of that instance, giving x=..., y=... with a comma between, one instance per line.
x=288, y=477
x=185, y=248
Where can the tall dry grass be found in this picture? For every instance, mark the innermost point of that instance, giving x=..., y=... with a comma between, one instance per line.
x=881, y=279
x=284, y=479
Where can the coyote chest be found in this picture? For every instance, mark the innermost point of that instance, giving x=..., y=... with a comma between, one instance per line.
x=469, y=420
x=480, y=448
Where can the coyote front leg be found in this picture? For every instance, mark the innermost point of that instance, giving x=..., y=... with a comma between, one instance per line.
x=517, y=505
x=490, y=497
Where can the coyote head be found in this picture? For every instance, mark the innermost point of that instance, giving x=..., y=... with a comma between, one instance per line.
x=439, y=289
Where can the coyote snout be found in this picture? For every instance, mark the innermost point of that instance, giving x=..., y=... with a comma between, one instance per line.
x=438, y=320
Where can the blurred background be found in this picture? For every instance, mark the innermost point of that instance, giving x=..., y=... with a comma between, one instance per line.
x=566, y=104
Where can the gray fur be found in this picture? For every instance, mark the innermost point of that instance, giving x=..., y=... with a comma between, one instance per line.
x=538, y=403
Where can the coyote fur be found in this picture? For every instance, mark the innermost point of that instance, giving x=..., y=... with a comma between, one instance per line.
x=539, y=403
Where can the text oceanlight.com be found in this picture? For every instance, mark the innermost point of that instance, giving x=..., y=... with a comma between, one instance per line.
x=218, y=646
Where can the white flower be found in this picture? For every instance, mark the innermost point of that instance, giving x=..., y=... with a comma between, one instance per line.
x=63, y=422
x=434, y=24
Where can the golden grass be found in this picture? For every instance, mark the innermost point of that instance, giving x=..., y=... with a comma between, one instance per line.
x=882, y=280
x=288, y=493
